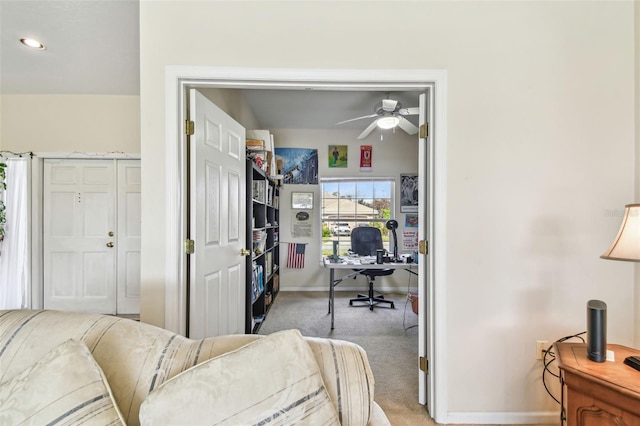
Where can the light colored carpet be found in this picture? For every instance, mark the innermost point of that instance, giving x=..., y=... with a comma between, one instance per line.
x=389, y=336
x=392, y=350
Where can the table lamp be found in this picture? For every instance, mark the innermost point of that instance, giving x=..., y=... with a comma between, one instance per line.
x=626, y=246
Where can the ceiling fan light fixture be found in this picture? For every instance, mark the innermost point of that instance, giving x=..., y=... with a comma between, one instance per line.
x=34, y=44
x=388, y=122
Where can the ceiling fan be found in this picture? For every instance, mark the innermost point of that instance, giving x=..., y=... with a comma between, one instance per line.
x=389, y=114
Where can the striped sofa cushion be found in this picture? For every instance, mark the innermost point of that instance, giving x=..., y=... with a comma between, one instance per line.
x=347, y=377
x=274, y=380
x=65, y=387
x=137, y=358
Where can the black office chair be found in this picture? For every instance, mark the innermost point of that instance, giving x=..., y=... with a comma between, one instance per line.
x=365, y=240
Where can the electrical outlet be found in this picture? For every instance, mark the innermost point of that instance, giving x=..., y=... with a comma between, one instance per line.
x=541, y=348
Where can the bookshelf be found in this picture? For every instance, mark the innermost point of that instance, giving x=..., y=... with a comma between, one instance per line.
x=263, y=230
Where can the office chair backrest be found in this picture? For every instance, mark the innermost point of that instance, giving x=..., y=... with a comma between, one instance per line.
x=365, y=240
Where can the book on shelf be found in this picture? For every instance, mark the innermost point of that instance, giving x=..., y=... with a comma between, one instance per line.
x=257, y=282
x=270, y=195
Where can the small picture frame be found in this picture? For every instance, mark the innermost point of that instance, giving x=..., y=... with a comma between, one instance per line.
x=302, y=200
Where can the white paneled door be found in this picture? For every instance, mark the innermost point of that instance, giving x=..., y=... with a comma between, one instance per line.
x=217, y=211
x=128, y=237
x=91, y=235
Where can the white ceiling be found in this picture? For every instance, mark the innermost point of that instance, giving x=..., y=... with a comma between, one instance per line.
x=92, y=47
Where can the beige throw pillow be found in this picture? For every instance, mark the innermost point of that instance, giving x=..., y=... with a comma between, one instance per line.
x=65, y=387
x=274, y=380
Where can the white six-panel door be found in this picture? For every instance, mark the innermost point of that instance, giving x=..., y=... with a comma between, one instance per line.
x=85, y=208
x=217, y=211
x=128, y=237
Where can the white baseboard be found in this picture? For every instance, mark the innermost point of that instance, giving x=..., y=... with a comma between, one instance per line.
x=501, y=418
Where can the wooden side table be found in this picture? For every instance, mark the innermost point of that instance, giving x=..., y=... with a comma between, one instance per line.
x=598, y=393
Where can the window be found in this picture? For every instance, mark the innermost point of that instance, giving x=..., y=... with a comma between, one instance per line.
x=350, y=202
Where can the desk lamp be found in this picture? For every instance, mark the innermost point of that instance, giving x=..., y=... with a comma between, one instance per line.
x=626, y=246
x=393, y=225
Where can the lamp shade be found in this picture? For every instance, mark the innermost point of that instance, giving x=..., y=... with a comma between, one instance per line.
x=626, y=245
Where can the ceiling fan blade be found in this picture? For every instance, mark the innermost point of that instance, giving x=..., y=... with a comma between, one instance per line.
x=407, y=126
x=409, y=111
x=389, y=105
x=357, y=118
x=368, y=130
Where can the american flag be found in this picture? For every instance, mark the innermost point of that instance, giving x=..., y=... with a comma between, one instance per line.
x=295, y=258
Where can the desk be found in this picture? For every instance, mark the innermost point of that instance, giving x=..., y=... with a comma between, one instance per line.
x=598, y=393
x=356, y=268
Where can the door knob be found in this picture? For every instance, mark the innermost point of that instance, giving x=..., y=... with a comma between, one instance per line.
x=109, y=244
x=245, y=252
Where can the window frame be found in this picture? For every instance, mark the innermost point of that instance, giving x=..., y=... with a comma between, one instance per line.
x=351, y=217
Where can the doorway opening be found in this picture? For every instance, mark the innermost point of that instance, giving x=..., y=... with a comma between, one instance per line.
x=432, y=345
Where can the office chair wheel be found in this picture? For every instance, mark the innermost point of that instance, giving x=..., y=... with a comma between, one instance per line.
x=393, y=306
x=350, y=303
x=371, y=308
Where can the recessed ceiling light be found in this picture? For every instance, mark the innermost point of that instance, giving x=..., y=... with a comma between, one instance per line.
x=34, y=44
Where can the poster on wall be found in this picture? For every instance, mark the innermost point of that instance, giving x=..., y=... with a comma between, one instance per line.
x=409, y=240
x=338, y=155
x=408, y=193
x=301, y=224
x=366, y=158
x=299, y=165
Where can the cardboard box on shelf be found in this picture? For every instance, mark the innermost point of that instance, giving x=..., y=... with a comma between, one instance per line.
x=263, y=135
x=256, y=145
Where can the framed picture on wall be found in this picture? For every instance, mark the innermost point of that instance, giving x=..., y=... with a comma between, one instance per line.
x=408, y=193
x=302, y=200
x=338, y=155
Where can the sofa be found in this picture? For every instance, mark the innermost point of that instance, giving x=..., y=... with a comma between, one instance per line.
x=73, y=368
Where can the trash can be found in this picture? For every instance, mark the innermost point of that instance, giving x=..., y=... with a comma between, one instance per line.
x=413, y=297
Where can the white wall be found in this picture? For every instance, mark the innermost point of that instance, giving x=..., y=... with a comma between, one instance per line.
x=636, y=199
x=233, y=103
x=540, y=157
x=68, y=123
x=396, y=154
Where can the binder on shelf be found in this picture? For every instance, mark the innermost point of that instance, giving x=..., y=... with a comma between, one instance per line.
x=269, y=263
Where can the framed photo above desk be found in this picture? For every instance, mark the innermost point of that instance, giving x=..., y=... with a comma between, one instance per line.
x=302, y=200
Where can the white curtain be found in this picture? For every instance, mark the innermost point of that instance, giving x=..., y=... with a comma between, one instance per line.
x=14, y=249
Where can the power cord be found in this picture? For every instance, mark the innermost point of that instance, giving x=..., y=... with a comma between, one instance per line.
x=552, y=357
x=404, y=316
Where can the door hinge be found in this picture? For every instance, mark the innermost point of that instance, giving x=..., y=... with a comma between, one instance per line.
x=424, y=364
x=189, y=246
x=189, y=127
x=423, y=247
x=424, y=131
